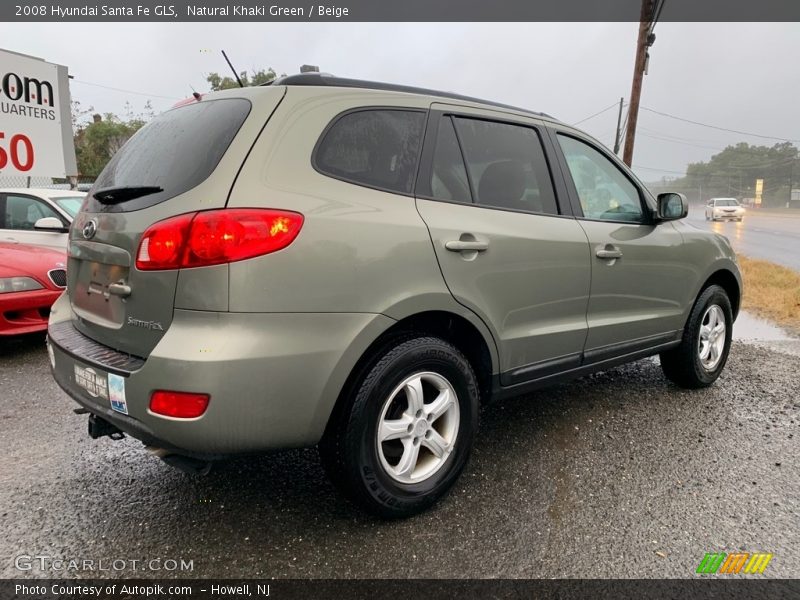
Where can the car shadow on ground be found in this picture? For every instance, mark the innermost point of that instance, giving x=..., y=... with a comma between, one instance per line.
x=520, y=440
x=17, y=345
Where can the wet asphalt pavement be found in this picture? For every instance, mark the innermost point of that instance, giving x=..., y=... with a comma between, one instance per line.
x=771, y=235
x=619, y=474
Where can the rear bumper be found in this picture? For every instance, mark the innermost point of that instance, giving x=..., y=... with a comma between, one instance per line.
x=25, y=312
x=273, y=378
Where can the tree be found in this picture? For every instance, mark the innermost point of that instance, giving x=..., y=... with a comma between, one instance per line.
x=218, y=82
x=733, y=172
x=96, y=143
x=79, y=115
x=98, y=140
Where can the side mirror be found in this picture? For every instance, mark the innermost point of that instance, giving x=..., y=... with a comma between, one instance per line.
x=672, y=206
x=51, y=224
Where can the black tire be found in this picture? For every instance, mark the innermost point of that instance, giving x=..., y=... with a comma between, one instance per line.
x=349, y=450
x=682, y=365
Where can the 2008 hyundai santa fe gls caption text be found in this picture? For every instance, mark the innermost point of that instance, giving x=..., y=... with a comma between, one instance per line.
x=360, y=265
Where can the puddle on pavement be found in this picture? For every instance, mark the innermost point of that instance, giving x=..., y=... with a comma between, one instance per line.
x=751, y=328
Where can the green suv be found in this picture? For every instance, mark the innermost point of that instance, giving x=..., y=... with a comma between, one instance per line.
x=358, y=266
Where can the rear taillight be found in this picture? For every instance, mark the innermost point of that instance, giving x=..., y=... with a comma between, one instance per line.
x=179, y=405
x=216, y=236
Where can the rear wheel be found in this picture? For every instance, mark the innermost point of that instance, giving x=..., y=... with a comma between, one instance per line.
x=699, y=359
x=406, y=433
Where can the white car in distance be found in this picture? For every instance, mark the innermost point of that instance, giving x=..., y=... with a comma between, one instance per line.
x=719, y=209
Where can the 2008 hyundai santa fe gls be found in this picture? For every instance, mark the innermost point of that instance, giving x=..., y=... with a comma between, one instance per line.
x=360, y=265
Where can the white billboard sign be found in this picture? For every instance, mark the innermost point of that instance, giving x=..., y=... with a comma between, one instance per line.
x=35, y=118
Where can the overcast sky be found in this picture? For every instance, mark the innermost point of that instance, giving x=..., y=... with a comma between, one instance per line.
x=737, y=75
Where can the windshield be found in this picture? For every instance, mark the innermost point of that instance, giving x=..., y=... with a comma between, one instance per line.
x=727, y=202
x=70, y=204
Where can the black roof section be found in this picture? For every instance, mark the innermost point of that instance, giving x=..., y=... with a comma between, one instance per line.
x=325, y=79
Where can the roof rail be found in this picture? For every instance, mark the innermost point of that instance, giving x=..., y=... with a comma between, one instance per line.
x=326, y=79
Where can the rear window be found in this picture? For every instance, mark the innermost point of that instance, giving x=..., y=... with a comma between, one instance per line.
x=377, y=148
x=176, y=151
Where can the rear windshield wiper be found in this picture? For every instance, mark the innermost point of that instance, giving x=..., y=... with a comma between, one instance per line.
x=115, y=195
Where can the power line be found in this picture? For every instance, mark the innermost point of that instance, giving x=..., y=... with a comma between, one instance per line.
x=598, y=113
x=659, y=170
x=108, y=87
x=758, y=135
x=657, y=13
x=741, y=151
x=679, y=142
x=624, y=129
x=672, y=136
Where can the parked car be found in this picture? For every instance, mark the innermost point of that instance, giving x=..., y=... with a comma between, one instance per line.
x=359, y=266
x=39, y=216
x=719, y=209
x=31, y=278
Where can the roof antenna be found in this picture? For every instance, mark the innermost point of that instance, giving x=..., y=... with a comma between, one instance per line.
x=235, y=74
x=197, y=96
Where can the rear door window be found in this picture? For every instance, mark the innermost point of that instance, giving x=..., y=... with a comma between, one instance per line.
x=176, y=151
x=448, y=174
x=506, y=165
x=377, y=148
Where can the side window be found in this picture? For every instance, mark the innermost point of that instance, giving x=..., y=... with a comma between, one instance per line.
x=377, y=148
x=506, y=166
x=22, y=212
x=604, y=192
x=449, y=176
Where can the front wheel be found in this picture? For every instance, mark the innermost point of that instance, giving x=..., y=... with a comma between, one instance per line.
x=699, y=359
x=405, y=434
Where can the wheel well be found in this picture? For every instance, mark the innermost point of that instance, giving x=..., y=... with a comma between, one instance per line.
x=448, y=326
x=728, y=282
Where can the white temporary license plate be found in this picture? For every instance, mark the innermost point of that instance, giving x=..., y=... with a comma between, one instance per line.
x=100, y=384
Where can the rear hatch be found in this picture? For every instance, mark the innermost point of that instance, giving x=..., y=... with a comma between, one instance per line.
x=183, y=161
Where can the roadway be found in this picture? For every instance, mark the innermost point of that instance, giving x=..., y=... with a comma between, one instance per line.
x=768, y=235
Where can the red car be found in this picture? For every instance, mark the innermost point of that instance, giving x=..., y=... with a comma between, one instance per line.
x=31, y=278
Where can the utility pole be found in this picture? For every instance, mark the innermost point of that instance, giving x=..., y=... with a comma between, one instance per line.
x=618, y=138
x=645, y=40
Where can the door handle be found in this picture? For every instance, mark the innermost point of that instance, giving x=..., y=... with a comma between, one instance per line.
x=608, y=251
x=463, y=245
x=119, y=289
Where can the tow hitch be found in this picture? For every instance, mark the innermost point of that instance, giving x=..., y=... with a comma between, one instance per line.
x=99, y=427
